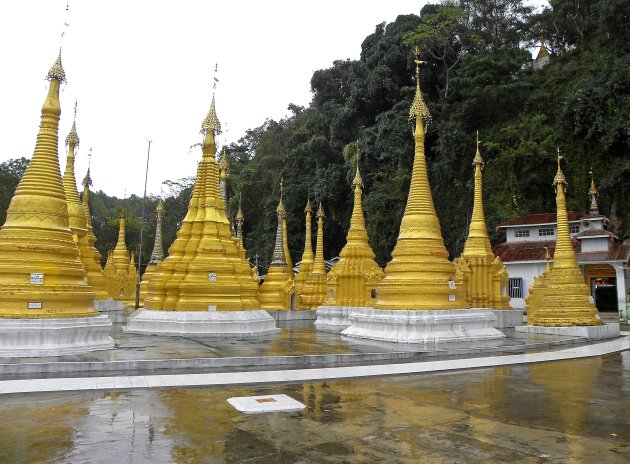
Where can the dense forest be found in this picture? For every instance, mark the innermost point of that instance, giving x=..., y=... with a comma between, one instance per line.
x=478, y=76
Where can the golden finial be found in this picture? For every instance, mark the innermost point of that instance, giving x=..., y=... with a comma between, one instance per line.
x=547, y=259
x=73, y=137
x=419, y=107
x=160, y=207
x=56, y=71
x=593, y=194
x=592, y=189
x=559, y=179
x=308, y=208
x=122, y=213
x=211, y=121
x=478, y=161
x=358, y=181
x=281, y=210
x=87, y=180
x=320, y=211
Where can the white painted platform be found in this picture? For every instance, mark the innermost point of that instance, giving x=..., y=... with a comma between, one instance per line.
x=294, y=315
x=54, y=337
x=409, y=326
x=202, y=323
x=334, y=318
x=105, y=306
x=507, y=317
x=592, y=332
x=267, y=403
x=304, y=375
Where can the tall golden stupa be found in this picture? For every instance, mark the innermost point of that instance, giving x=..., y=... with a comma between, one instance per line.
x=206, y=285
x=121, y=282
x=306, y=265
x=157, y=255
x=78, y=220
x=313, y=291
x=486, y=275
x=420, y=276
x=43, y=285
x=561, y=297
x=275, y=292
x=352, y=281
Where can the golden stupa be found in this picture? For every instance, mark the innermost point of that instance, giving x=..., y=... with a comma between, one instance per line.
x=206, y=268
x=275, y=292
x=313, y=291
x=562, y=298
x=306, y=265
x=351, y=282
x=41, y=274
x=285, y=239
x=593, y=194
x=486, y=276
x=420, y=276
x=121, y=283
x=78, y=219
x=157, y=255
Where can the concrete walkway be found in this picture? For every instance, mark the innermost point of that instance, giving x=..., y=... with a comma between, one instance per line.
x=302, y=375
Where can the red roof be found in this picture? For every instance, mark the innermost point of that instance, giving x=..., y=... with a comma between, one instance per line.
x=544, y=218
x=535, y=251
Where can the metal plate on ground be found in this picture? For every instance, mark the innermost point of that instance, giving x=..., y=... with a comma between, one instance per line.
x=266, y=403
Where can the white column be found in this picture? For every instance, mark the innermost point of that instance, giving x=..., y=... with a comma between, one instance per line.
x=621, y=292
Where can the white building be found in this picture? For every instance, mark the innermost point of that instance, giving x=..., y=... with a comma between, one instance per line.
x=604, y=261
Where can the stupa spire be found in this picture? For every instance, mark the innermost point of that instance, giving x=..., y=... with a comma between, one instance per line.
x=561, y=296
x=206, y=267
x=285, y=236
x=485, y=274
x=278, y=257
x=313, y=292
x=157, y=255
x=356, y=274
x=593, y=195
x=36, y=237
x=306, y=265
x=420, y=276
x=120, y=256
x=240, y=218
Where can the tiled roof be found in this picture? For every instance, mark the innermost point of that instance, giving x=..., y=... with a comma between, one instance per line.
x=594, y=232
x=535, y=251
x=544, y=218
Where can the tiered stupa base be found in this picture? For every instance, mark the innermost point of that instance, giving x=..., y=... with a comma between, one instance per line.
x=224, y=324
x=413, y=326
x=54, y=337
x=591, y=332
x=106, y=306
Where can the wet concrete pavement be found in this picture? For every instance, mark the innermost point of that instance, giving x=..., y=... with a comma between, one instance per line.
x=568, y=411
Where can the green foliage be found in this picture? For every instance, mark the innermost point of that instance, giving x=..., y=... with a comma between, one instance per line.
x=10, y=173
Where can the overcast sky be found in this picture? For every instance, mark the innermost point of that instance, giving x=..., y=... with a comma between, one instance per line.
x=144, y=69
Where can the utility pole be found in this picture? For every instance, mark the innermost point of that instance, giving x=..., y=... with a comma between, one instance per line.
x=144, y=198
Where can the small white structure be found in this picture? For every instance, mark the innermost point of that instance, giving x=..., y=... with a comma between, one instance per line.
x=268, y=403
x=604, y=261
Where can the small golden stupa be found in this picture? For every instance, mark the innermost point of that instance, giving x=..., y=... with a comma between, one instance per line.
x=486, y=276
x=420, y=276
x=313, y=291
x=593, y=194
x=351, y=282
x=306, y=265
x=157, y=255
x=206, y=268
x=78, y=220
x=41, y=274
x=562, y=298
x=121, y=282
x=275, y=292
x=285, y=240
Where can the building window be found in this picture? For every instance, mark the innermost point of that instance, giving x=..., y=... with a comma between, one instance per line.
x=545, y=231
x=521, y=233
x=515, y=287
x=574, y=229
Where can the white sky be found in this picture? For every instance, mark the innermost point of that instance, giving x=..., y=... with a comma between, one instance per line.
x=144, y=69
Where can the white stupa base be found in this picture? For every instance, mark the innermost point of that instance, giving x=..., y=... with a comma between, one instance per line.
x=591, y=332
x=251, y=323
x=25, y=338
x=105, y=306
x=507, y=317
x=294, y=315
x=412, y=326
x=335, y=318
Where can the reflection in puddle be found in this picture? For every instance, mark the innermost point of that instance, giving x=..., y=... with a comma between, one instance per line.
x=563, y=411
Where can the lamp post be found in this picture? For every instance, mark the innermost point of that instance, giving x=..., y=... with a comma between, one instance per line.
x=144, y=198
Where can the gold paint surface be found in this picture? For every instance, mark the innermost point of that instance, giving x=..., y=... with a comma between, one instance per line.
x=313, y=292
